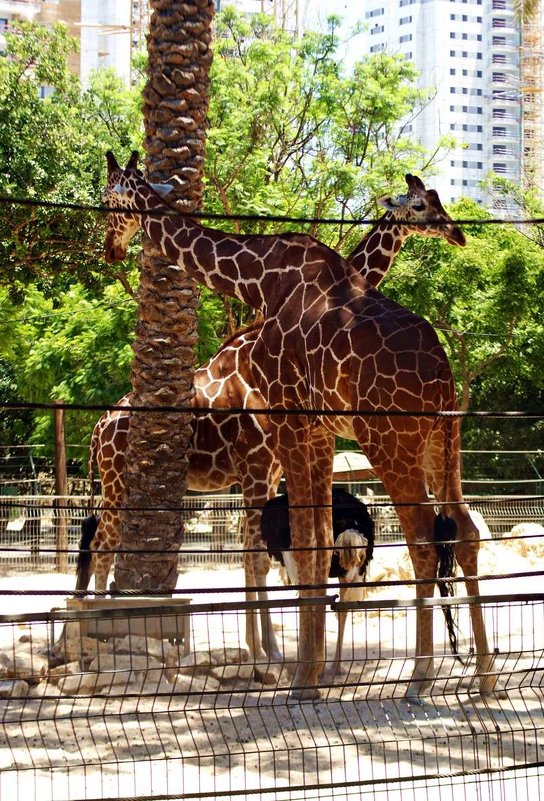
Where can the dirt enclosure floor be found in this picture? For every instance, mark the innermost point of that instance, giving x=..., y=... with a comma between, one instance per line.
x=204, y=728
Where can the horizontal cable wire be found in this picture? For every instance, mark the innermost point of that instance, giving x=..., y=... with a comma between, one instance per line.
x=168, y=211
x=8, y=502
x=292, y=587
x=200, y=410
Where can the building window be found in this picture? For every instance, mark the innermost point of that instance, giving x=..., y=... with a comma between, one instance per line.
x=377, y=29
x=499, y=77
x=406, y=3
x=499, y=130
x=376, y=12
x=499, y=167
x=406, y=38
x=377, y=48
x=498, y=23
x=405, y=20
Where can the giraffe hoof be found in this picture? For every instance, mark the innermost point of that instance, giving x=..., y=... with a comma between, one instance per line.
x=416, y=689
x=304, y=694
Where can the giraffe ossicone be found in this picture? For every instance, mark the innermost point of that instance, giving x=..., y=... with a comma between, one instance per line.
x=331, y=341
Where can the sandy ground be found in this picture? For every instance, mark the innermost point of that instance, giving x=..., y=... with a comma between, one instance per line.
x=246, y=740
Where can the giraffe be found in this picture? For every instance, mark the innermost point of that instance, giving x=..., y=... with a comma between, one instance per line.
x=374, y=371
x=227, y=451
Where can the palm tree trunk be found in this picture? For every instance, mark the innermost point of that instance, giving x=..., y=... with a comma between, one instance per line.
x=175, y=108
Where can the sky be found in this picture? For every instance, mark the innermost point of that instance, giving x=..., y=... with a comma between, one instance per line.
x=315, y=13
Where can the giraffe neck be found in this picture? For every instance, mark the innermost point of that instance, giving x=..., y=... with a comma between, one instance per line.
x=250, y=268
x=377, y=251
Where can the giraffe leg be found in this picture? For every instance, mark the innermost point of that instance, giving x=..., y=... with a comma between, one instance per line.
x=347, y=593
x=106, y=540
x=466, y=552
x=311, y=564
x=321, y=455
x=397, y=459
x=258, y=485
x=467, y=545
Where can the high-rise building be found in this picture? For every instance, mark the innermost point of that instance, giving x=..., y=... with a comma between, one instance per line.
x=485, y=70
x=107, y=30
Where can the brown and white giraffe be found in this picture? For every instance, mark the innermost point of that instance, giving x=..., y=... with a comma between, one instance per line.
x=227, y=450
x=330, y=342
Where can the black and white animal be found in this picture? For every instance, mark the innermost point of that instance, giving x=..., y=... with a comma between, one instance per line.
x=353, y=534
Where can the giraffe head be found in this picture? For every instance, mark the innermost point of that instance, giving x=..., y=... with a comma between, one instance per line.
x=420, y=205
x=124, y=191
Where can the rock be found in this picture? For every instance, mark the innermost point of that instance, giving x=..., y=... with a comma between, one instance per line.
x=5, y=665
x=183, y=684
x=62, y=671
x=231, y=673
x=229, y=656
x=113, y=673
x=11, y=688
x=83, y=683
x=74, y=648
x=27, y=665
x=136, y=644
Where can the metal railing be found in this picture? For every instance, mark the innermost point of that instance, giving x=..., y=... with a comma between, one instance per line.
x=213, y=526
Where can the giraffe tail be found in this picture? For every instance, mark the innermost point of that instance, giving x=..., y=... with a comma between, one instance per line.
x=83, y=569
x=445, y=530
x=89, y=525
x=92, y=464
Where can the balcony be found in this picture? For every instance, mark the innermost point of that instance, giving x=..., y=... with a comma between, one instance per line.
x=505, y=42
x=20, y=9
x=505, y=153
x=506, y=117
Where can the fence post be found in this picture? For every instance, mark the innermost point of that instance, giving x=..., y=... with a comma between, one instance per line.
x=61, y=492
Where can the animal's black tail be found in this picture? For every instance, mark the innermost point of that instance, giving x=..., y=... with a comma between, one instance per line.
x=88, y=530
x=445, y=530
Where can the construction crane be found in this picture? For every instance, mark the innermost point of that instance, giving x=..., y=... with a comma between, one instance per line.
x=532, y=83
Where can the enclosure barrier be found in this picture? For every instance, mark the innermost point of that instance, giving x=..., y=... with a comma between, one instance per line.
x=213, y=526
x=166, y=706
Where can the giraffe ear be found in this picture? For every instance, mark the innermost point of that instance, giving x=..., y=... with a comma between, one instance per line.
x=414, y=183
x=391, y=203
x=112, y=162
x=162, y=189
x=133, y=161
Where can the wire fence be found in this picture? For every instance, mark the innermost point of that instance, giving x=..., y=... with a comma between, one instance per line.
x=165, y=698
x=213, y=526
x=166, y=705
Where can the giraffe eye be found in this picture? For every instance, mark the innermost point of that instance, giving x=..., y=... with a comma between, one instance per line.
x=418, y=206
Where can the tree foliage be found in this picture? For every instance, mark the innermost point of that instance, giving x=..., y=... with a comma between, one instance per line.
x=53, y=135
x=289, y=133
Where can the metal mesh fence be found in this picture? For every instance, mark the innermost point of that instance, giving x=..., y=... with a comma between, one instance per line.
x=213, y=526
x=166, y=705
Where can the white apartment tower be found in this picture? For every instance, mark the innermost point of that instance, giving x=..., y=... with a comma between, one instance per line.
x=478, y=60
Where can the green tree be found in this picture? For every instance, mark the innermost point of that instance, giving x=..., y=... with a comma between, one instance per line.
x=486, y=299
x=53, y=137
x=76, y=350
x=291, y=134
x=487, y=302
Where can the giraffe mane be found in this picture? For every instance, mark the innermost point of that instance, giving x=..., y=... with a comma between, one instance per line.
x=256, y=325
